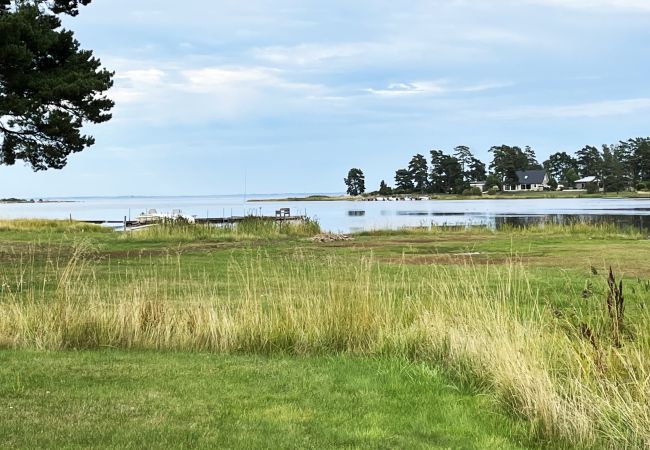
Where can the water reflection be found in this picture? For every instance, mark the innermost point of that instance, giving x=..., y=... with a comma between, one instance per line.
x=635, y=221
x=498, y=221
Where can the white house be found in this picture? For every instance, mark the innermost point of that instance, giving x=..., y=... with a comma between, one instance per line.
x=478, y=184
x=529, y=180
x=582, y=182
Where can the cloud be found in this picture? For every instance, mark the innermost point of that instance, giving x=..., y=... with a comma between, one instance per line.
x=311, y=54
x=215, y=79
x=431, y=88
x=170, y=93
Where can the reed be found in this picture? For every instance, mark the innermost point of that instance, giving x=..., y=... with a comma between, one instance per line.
x=485, y=324
x=248, y=229
x=578, y=227
x=49, y=225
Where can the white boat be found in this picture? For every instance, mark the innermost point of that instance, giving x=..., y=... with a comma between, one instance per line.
x=153, y=216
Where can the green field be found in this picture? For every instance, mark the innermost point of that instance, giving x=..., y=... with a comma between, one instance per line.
x=260, y=337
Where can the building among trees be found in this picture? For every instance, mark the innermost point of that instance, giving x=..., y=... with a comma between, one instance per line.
x=583, y=182
x=529, y=180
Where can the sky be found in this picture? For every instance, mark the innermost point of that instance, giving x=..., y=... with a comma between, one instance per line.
x=220, y=96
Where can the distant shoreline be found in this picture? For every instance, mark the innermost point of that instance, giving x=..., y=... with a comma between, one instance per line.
x=418, y=197
x=21, y=201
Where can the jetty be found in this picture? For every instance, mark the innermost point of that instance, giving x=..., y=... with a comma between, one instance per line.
x=126, y=223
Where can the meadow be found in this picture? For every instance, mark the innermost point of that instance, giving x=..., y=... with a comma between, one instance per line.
x=427, y=338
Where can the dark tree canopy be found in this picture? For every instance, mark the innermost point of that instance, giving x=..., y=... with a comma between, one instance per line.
x=641, y=157
x=49, y=86
x=562, y=167
x=420, y=173
x=476, y=170
x=613, y=170
x=532, y=159
x=507, y=161
x=355, y=182
x=404, y=181
x=589, y=160
x=384, y=189
x=446, y=173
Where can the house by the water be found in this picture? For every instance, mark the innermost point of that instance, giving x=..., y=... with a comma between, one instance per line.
x=583, y=182
x=529, y=180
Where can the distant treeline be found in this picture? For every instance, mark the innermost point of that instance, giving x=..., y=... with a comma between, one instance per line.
x=618, y=167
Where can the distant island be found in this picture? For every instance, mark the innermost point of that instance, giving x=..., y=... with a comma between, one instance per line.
x=23, y=200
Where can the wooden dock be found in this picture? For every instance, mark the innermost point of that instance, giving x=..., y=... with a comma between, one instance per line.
x=198, y=220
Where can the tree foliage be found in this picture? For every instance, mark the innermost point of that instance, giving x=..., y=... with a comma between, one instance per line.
x=49, y=86
x=507, y=161
x=589, y=161
x=613, y=173
x=419, y=173
x=384, y=189
x=562, y=167
x=355, y=182
x=446, y=174
x=464, y=155
x=404, y=181
x=622, y=166
x=477, y=170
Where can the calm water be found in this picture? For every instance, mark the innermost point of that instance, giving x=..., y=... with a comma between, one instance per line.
x=354, y=216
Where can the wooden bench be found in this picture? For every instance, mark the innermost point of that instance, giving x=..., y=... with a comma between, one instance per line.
x=283, y=212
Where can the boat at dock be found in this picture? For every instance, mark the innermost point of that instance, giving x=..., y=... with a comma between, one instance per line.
x=153, y=216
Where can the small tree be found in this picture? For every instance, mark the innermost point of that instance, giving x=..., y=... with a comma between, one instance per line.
x=355, y=182
x=493, y=181
x=570, y=177
x=384, y=189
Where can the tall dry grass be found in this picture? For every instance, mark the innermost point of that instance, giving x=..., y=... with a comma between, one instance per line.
x=49, y=225
x=485, y=324
x=248, y=229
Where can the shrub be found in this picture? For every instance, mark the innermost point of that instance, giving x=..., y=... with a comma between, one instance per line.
x=641, y=186
x=494, y=190
x=592, y=188
x=473, y=191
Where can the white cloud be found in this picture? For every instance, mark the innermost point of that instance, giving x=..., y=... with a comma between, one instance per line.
x=170, y=93
x=409, y=89
x=214, y=79
x=431, y=88
x=310, y=54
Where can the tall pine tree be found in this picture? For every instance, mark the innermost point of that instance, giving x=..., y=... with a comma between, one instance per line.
x=49, y=86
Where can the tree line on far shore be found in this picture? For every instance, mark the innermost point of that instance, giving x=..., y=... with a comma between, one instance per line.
x=618, y=167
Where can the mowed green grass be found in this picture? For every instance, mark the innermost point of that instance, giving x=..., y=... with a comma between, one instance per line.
x=117, y=399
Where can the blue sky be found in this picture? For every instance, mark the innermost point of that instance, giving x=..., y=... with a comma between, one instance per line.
x=294, y=93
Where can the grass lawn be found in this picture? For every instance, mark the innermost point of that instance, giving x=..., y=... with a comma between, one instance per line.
x=264, y=338
x=116, y=399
